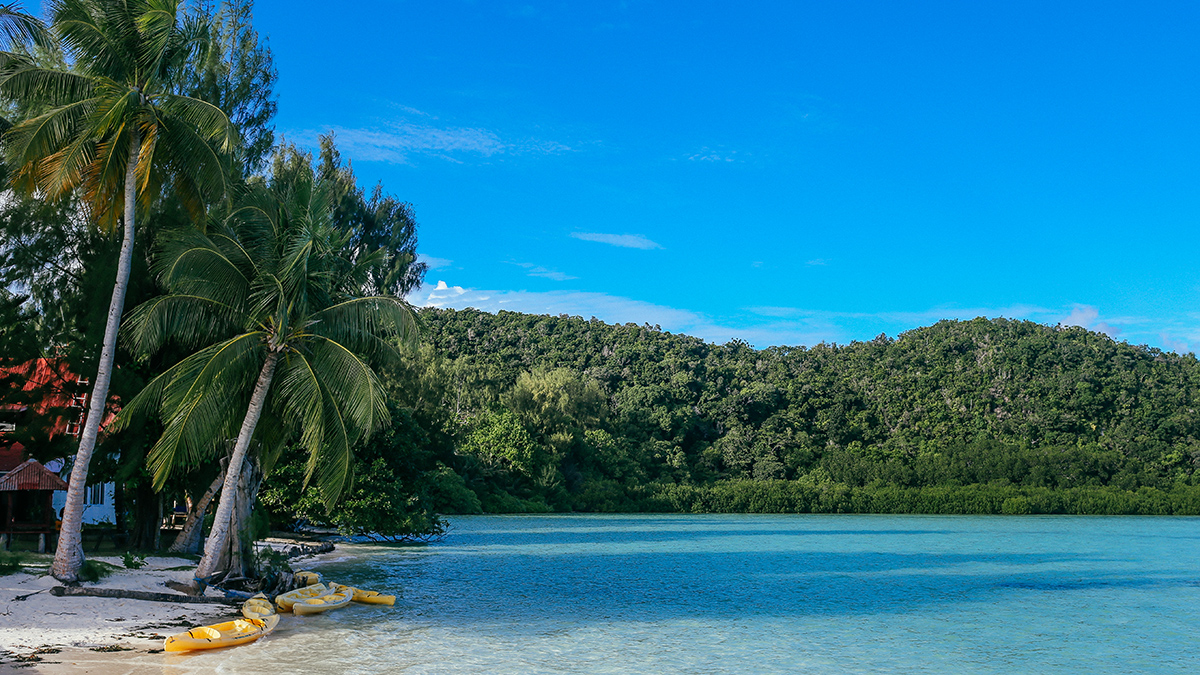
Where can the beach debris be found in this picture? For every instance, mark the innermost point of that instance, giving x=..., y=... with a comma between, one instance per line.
x=21, y=598
x=47, y=649
x=95, y=592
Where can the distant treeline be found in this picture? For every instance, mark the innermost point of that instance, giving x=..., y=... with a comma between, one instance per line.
x=515, y=412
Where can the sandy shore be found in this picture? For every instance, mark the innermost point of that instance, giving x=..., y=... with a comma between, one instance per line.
x=61, y=634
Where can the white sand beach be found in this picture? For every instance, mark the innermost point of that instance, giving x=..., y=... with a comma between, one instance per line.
x=32, y=620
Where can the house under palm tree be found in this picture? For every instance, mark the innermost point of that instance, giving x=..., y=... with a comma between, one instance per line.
x=45, y=402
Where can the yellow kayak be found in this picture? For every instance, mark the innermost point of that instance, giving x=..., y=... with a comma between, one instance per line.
x=285, y=601
x=308, y=578
x=228, y=634
x=322, y=603
x=258, y=607
x=367, y=597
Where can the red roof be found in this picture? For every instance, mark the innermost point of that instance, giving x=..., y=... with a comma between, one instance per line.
x=56, y=392
x=11, y=456
x=31, y=475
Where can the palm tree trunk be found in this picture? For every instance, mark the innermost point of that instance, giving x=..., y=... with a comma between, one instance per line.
x=216, y=542
x=68, y=559
x=189, y=538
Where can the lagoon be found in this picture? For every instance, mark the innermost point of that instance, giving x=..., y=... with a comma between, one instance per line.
x=761, y=594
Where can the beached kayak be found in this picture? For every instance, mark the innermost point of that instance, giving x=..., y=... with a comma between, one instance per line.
x=258, y=607
x=285, y=601
x=305, y=578
x=322, y=603
x=367, y=597
x=228, y=634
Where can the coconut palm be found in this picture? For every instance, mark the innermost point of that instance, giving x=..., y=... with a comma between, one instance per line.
x=112, y=131
x=19, y=29
x=270, y=297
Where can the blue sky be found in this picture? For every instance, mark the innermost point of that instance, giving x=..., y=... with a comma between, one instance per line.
x=785, y=173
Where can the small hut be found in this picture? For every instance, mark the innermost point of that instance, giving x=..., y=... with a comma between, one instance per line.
x=26, y=501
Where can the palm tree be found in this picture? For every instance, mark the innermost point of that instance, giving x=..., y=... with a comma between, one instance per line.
x=19, y=29
x=272, y=300
x=112, y=131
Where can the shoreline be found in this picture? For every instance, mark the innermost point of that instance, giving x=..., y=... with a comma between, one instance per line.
x=42, y=633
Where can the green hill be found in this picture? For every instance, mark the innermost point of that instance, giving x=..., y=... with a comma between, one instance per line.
x=516, y=412
x=997, y=402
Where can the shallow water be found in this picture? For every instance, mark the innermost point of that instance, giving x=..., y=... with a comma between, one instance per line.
x=760, y=594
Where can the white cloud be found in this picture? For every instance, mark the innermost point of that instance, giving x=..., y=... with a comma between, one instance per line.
x=618, y=309
x=1177, y=345
x=539, y=271
x=414, y=132
x=610, y=308
x=622, y=240
x=1086, y=316
x=550, y=274
x=404, y=139
x=775, y=311
x=821, y=262
x=710, y=155
x=433, y=262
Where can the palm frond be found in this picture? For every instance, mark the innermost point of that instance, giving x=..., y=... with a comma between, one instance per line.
x=146, y=402
x=200, y=405
x=189, y=320
x=297, y=396
x=47, y=86
x=205, y=119
x=63, y=171
x=188, y=154
x=191, y=262
x=156, y=24
x=19, y=28
x=371, y=325
x=335, y=459
x=100, y=37
x=104, y=181
x=34, y=139
x=352, y=381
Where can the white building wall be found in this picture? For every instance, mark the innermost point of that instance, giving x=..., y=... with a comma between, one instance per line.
x=98, y=503
x=94, y=512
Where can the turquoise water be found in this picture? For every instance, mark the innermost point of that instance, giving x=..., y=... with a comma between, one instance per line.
x=762, y=594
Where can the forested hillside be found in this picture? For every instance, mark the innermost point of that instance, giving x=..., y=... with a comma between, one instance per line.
x=561, y=413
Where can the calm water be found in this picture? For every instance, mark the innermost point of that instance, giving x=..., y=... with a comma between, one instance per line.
x=761, y=594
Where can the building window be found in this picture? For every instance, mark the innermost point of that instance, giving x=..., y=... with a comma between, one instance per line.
x=76, y=428
x=95, y=494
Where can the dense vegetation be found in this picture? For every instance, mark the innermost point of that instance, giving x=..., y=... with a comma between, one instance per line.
x=986, y=416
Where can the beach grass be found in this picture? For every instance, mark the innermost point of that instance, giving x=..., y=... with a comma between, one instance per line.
x=12, y=562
